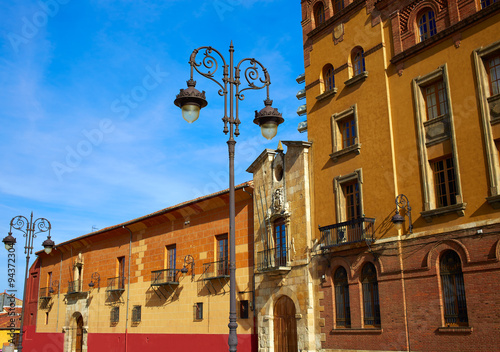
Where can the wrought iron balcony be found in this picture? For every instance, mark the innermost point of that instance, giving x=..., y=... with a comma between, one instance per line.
x=272, y=259
x=116, y=284
x=73, y=286
x=346, y=232
x=46, y=292
x=164, y=277
x=216, y=270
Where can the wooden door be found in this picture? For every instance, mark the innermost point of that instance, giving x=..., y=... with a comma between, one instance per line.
x=79, y=334
x=285, y=326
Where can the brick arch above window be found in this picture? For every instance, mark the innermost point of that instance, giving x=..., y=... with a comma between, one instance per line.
x=360, y=262
x=408, y=16
x=337, y=262
x=319, y=13
x=431, y=259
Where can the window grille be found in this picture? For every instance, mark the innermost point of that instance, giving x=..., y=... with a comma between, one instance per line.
x=342, y=305
x=198, y=311
x=115, y=315
x=455, y=305
x=136, y=314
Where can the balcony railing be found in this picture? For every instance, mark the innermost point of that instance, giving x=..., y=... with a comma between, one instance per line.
x=351, y=231
x=272, y=258
x=74, y=286
x=46, y=292
x=218, y=269
x=116, y=284
x=164, y=277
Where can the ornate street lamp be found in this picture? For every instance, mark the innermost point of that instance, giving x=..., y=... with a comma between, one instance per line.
x=30, y=229
x=191, y=101
x=398, y=219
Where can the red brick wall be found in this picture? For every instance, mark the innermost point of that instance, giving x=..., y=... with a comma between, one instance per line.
x=481, y=268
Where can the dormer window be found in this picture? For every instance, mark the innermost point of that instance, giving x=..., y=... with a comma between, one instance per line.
x=426, y=24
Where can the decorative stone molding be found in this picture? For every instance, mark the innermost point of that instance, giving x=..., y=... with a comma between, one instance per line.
x=459, y=208
x=328, y=94
x=356, y=79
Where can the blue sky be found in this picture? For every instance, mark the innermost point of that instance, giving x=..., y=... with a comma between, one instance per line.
x=90, y=134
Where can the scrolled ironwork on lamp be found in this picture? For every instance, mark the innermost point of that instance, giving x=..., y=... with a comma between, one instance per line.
x=191, y=101
x=398, y=219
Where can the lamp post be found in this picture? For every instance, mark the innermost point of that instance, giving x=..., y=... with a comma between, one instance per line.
x=30, y=228
x=398, y=220
x=190, y=100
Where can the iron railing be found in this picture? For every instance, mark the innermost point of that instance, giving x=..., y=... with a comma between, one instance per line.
x=163, y=277
x=74, y=286
x=351, y=231
x=216, y=269
x=116, y=284
x=272, y=258
x=46, y=292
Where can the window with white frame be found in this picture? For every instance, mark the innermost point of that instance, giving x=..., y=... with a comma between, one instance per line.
x=487, y=67
x=349, y=196
x=440, y=175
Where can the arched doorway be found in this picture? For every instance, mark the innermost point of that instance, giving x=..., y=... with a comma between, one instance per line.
x=285, y=326
x=79, y=334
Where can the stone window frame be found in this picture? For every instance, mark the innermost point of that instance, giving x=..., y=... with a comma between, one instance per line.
x=340, y=201
x=486, y=105
x=337, y=142
x=430, y=210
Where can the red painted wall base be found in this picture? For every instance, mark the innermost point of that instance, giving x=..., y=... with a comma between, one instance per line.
x=54, y=342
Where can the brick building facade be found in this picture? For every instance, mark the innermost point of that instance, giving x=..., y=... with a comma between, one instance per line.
x=402, y=112
x=159, y=282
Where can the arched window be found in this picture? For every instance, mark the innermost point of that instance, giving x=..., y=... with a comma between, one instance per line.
x=452, y=280
x=342, y=305
x=319, y=13
x=426, y=24
x=371, y=305
x=328, y=78
x=338, y=5
x=280, y=242
x=358, y=61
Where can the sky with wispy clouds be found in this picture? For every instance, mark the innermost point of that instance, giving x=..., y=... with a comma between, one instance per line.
x=90, y=135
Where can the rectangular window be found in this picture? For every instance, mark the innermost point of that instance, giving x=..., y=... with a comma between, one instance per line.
x=136, y=314
x=49, y=279
x=345, y=134
x=435, y=100
x=444, y=182
x=114, y=315
x=244, y=309
x=121, y=273
x=222, y=256
x=198, y=311
x=171, y=260
x=280, y=242
x=493, y=71
x=352, y=200
x=348, y=128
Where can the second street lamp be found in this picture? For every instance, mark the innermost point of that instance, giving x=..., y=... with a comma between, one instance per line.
x=30, y=228
x=191, y=101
